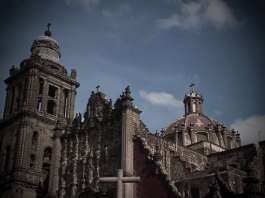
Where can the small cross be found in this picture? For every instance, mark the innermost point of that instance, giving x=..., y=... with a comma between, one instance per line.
x=192, y=85
x=97, y=87
x=120, y=180
x=48, y=26
x=48, y=32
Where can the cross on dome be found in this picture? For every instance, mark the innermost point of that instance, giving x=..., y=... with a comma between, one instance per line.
x=97, y=87
x=48, y=32
x=199, y=123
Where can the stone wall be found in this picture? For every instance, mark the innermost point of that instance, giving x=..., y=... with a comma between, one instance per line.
x=153, y=183
x=239, y=157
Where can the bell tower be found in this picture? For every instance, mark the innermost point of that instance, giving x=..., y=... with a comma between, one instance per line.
x=39, y=93
x=193, y=101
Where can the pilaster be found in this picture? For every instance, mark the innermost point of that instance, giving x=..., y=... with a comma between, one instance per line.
x=20, y=159
x=30, y=100
x=56, y=156
x=130, y=123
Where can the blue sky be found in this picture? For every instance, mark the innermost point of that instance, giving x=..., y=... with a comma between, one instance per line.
x=157, y=47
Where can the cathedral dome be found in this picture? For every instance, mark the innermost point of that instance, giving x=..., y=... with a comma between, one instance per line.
x=196, y=121
x=197, y=130
x=46, y=47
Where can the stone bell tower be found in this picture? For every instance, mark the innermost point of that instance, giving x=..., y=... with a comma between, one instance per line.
x=39, y=93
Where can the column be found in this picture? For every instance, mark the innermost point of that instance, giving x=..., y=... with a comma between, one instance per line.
x=130, y=122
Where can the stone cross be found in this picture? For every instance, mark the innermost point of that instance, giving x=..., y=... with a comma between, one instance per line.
x=120, y=180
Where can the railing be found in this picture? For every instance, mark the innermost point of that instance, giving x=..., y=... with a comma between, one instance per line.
x=187, y=155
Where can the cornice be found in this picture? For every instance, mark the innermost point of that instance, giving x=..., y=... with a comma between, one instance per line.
x=22, y=114
x=40, y=65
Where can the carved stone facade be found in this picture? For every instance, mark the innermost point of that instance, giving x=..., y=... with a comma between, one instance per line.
x=46, y=151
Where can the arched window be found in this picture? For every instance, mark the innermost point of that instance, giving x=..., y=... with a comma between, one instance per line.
x=105, y=153
x=47, y=155
x=51, y=107
x=215, y=139
x=34, y=140
x=41, y=84
x=18, y=97
x=26, y=82
x=202, y=136
x=229, y=142
x=32, y=162
x=187, y=139
x=193, y=107
x=39, y=104
x=52, y=91
x=65, y=108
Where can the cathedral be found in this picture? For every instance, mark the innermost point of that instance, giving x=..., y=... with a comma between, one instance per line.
x=46, y=150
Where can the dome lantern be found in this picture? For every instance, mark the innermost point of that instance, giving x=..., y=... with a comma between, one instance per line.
x=46, y=47
x=193, y=101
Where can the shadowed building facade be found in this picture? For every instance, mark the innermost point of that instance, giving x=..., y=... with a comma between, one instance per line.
x=38, y=94
x=47, y=151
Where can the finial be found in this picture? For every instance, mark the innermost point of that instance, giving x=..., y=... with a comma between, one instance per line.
x=126, y=94
x=128, y=91
x=126, y=98
x=48, y=32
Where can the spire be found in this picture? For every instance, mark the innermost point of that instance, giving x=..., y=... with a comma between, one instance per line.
x=126, y=95
x=128, y=92
x=48, y=32
x=126, y=101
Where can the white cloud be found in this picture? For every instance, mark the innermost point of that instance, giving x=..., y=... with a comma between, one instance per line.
x=251, y=129
x=195, y=14
x=82, y=3
x=161, y=98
